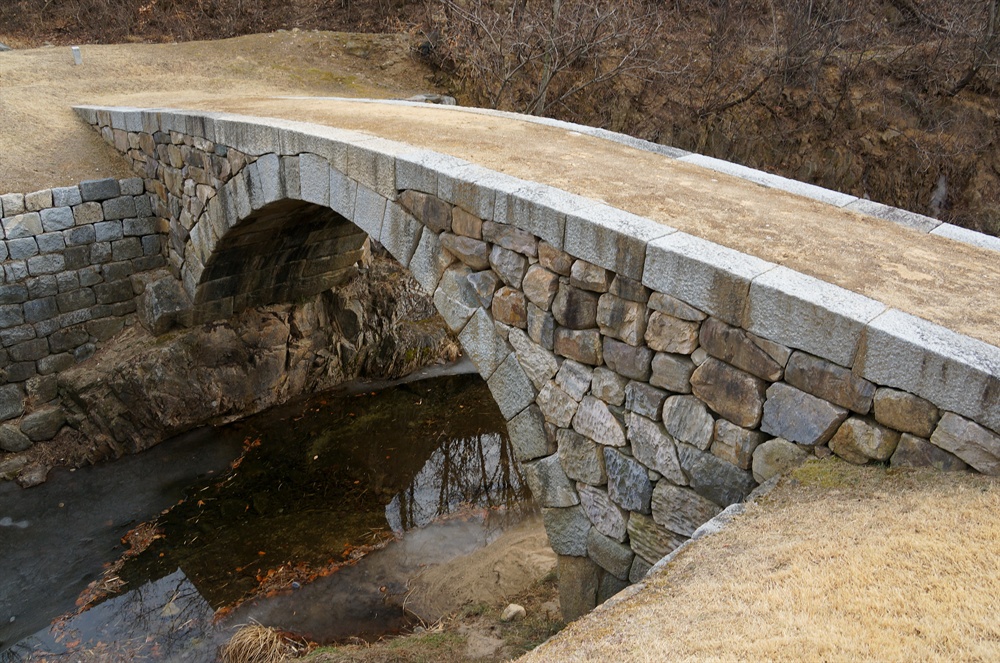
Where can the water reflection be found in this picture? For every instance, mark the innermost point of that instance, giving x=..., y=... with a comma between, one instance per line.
x=326, y=477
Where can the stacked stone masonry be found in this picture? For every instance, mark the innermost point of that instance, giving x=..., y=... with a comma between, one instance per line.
x=649, y=378
x=72, y=263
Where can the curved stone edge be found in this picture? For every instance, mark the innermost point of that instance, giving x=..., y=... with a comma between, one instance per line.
x=802, y=312
x=912, y=220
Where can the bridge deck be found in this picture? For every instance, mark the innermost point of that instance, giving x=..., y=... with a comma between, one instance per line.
x=940, y=280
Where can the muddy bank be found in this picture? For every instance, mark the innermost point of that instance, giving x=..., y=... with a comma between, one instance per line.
x=139, y=389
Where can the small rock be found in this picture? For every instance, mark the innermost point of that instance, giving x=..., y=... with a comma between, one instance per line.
x=12, y=439
x=512, y=613
x=33, y=475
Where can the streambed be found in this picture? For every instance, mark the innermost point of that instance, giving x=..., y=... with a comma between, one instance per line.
x=335, y=503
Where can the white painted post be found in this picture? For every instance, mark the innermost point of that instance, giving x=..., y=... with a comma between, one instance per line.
x=77, y=57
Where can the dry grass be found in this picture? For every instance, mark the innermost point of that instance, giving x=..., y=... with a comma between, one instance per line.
x=841, y=564
x=255, y=643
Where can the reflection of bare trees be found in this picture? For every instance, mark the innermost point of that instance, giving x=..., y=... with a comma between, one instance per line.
x=478, y=471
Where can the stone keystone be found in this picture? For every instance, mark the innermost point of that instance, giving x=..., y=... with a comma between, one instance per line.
x=594, y=419
x=737, y=396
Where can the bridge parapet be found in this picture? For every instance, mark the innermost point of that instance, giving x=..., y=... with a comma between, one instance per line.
x=649, y=377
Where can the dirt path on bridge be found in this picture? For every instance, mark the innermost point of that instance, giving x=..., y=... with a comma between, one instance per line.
x=43, y=144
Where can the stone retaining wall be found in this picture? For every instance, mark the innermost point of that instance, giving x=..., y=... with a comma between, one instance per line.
x=649, y=378
x=71, y=256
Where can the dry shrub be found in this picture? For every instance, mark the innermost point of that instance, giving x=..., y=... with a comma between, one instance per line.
x=255, y=643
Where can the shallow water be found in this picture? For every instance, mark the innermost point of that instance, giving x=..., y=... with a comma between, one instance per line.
x=321, y=482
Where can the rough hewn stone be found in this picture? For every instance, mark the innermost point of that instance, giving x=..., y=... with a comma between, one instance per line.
x=595, y=420
x=580, y=576
x=465, y=224
x=628, y=483
x=510, y=307
x=540, y=286
x=640, y=568
x=672, y=372
x=687, y=420
x=472, y=252
x=681, y=510
x=650, y=541
x=11, y=402
x=581, y=458
x=455, y=298
x=583, y=345
x=589, y=277
x=485, y=283
x=510, y=238
x=734, y=346
x=830, y=382
x=799, y=417
x=859, y=440
x=567, y=530
x=527, y=434
x=626, y=288
x=714, y=478
x=916, y=452
x=654, y=448
x=905, y=412
x=538, y=363
x=621, y=319
x=732, y=393
x=554, y=259
x=632, y=362
x=12, y=439
x=429, y=210
x=609, y=386
x=509, y=265
x=557, y=406
x=974, y=444
x=511, y=388
x=574, y=308
x=541, y=327
x=674, y=307
x=644, y=399
x=43, y=424
x=548, y=483
x=574, y=378
x=665, y=333
x=611, y=555
x=609, y=518
x=734, y=444
x=776, y=457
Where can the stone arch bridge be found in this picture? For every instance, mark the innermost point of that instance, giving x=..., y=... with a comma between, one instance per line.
x=661, y=330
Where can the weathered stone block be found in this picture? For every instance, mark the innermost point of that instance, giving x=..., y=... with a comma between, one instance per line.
x=13, y=440
x=66, y=196
x=485, y=283
x=733, y=346
x=483, y=345
x=115, y=208
x=11, y=402
x=455, y=298
x=567, y=530
x=540, y=286
x=527, y=434
x=12, y=204
x=734, y=444
x=665, y=333
x=538, y=363
x=429, y=262
x=916, y=452
x=675, y=307
x=681, y=510
x=580, y=575
x=554, y=259
x=644, y=399
x=974, y=444
x=59, y=218
x=803, y=312
x=732, y=393
x=859, y=440
x=830, y=382
x=583, y=346
x=630, y=361
x=650, y=541
x=799, y=417
x=626, y=288
x=472, y=252
x=369, y=211
x=612, y=556
x=509, y=265
x=98, y=190
x=714, y=478
x=595, y=420
x=541, y=327
x=609, y=386
x=511, y=388
x=465, y=224
x=429, y=210
x=43, y=424
x=776, y=457
x=549, y=485
x=574, y=308
x=19, y=249
x=640, y=568
x=38, y=200
x=621, y=319
x=608, y=518
x=672, y=372
x=400, y=233
x=905, y=412
x=654, y=448
x=687, y=420
x=574, y=378
x=557, y=406
x=581, y=458
x=22, y=225
x=510, y=238
x=628, y=482
x=587, y=276
x=510, y=307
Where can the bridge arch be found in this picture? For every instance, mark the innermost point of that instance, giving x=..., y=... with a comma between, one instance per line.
x=642, y=371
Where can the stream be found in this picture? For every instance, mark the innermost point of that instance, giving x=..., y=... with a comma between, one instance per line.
x=312, y=517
